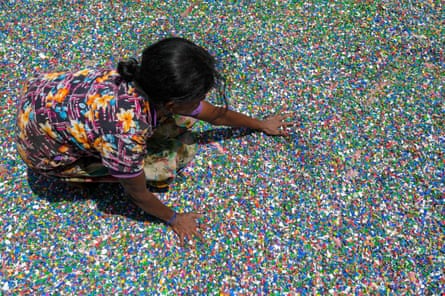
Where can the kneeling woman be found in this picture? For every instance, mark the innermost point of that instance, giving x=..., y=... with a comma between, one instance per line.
x=129, y=125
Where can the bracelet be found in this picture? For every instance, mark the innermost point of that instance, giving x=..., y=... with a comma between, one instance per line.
x=172, y=219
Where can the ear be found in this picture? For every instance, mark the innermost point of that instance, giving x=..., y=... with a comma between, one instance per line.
x=169, y=106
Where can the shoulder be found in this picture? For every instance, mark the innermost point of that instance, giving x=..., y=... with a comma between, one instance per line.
x=88, y=76
x=132, y=104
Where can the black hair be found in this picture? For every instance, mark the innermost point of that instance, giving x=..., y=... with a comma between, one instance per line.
x=174, y=69
x=127, y=69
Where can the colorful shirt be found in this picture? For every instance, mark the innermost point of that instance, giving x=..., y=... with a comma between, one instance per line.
x=64, y=117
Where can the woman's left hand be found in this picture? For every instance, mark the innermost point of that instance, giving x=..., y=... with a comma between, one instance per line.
x=276, y=125
x=185, y=227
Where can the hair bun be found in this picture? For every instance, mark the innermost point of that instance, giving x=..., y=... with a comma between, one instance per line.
x=128, y=69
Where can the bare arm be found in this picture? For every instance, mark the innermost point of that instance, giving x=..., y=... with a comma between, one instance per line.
x=144, y=199
x=184, y=224
x=221, y=116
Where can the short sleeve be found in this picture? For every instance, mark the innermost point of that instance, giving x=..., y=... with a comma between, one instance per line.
x=197, y=111
x=122, y=154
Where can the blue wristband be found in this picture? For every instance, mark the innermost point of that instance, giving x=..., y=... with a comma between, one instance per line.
x=172, y=219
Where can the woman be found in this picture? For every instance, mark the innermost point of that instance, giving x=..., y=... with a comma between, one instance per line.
x=101, y=125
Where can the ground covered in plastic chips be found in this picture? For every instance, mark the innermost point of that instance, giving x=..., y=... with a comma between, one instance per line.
x=352, y=202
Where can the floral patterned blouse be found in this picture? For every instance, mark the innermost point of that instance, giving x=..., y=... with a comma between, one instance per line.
x=64, y=117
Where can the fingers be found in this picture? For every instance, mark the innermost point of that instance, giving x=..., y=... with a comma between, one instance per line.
x=288, y=123
x=181, y=240
x=196, y=215
x=183, y=237
x=187, y=228
x=198, y=235
x=286, y=116
x=278, y=127
x=283, y=124
x=283, y=133
x=282, y=119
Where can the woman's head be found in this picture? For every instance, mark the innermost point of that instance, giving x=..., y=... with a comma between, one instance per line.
x=173, y=70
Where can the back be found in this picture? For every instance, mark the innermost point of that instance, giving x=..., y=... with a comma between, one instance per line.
x=65, y=116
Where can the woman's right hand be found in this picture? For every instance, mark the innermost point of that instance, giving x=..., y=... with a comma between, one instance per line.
x=186, y=227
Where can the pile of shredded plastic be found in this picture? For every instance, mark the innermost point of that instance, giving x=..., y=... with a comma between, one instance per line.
x=351, y=202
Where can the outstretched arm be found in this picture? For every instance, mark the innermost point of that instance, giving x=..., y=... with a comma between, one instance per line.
x=184, y=224
x=222, y=116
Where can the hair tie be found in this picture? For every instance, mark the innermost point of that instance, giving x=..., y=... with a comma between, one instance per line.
x=135, y=61
x=128, y=69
